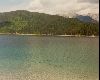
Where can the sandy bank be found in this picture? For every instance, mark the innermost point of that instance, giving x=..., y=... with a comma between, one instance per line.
x=48, y=35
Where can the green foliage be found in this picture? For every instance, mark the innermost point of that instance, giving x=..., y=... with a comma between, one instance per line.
x=38, y=23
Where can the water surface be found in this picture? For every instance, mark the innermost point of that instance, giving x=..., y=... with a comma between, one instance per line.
x=48, y=58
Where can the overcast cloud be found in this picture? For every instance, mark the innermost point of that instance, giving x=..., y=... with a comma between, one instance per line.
x=68, y=7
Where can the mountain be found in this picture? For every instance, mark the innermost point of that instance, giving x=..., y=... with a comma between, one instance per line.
x=26, y=22
x=85, y=18
x=94, y=18
x=88, y=18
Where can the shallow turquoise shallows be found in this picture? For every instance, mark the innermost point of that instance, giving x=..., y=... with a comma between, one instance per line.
x=48, y=58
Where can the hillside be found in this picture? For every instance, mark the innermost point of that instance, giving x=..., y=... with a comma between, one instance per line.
x=26, y=22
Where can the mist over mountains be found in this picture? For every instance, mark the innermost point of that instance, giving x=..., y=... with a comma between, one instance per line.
x=85, y=17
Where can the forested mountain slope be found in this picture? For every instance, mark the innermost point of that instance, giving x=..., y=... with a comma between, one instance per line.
x=26, y=22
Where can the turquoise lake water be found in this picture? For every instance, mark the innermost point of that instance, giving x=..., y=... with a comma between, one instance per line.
x=48, y=58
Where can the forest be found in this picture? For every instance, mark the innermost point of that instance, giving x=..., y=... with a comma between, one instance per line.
x=25, y=22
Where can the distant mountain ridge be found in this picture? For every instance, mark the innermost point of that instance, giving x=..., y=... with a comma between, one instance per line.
x=88, y=18
x=85, y=18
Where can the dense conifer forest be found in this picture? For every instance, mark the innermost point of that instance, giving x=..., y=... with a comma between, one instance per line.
x=25, y=22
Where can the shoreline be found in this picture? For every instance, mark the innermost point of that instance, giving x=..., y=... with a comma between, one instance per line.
x=92, y=36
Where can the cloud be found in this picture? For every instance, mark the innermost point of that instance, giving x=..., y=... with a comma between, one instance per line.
x=62, y=7
x=90, y=1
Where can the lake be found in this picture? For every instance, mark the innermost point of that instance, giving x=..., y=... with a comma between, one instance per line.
x=48, y=58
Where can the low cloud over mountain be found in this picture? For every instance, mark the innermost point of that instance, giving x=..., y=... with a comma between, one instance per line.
x=61, y=7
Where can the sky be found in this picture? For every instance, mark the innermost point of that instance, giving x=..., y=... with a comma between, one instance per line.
x=62, y=7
